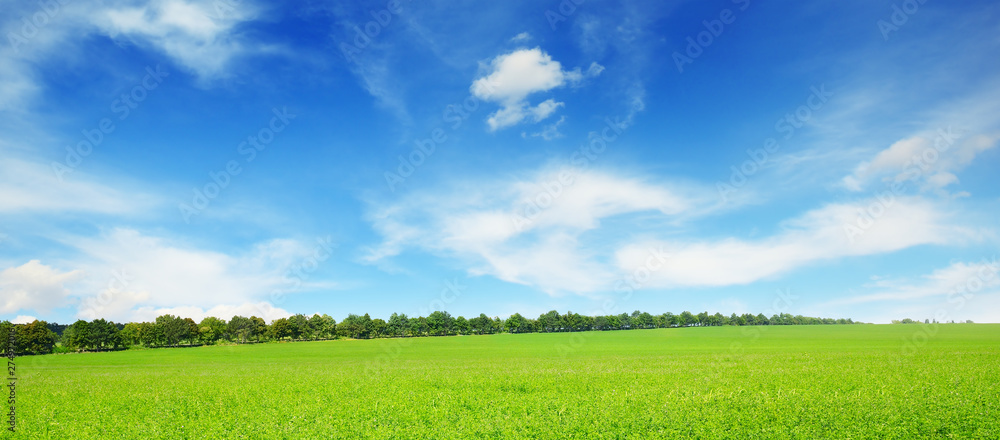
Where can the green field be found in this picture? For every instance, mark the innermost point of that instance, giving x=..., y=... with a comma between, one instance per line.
x=838, y=382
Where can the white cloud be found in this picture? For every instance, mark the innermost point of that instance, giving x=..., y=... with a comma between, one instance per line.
x=34, y=286
x=197, y=34
x=957, y=279
x=520, y=38
x=23, y=319
x=200, y=35
x=33, y=187
x=263, y=310
x=816, y=236
x=512, y=77
x=963, y=290
x=527, y=230
x=558, y=237
x=594, y=69
x=132, y=274
x=550, y=131
x=930, y=161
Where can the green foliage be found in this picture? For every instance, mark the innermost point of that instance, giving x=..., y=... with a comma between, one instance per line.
x=32, y=338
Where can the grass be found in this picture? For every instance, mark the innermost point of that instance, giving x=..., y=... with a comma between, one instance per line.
x=724, y=382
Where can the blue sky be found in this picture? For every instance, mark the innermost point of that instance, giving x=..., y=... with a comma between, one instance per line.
x=236, y=157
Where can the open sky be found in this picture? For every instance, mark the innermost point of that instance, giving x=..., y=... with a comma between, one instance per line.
x=223, y=157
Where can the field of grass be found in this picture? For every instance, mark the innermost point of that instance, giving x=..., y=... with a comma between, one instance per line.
x=721, y=382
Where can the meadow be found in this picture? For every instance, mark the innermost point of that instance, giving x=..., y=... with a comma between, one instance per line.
x=843, y=382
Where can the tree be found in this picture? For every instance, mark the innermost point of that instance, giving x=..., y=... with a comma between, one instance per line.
x=33, y=338
x=281, y=328
x=190, y=332
x=238, y=329
x=440, y=323
x=461, y=325
x=379, y=328
x=130, y=334
x=299, y=326
x=315, y=327
x=211, y=329
x=77, y=336
x=645, y=320
x=327, y=327
x=151, y=335
x=516, y=324
x=104, y=335
x=399, y=324
x=355, y=327
x=5, y=328
x=257, y=328
x=551, y=321
x=176, y=329
x=624, y=321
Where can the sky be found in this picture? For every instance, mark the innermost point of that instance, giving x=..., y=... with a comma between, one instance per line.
x=235, y=157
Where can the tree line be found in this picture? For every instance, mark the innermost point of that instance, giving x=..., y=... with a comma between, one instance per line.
x=40, y=337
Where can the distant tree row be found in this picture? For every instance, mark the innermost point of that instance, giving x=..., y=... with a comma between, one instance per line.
x=926, y=321
x=40, y=337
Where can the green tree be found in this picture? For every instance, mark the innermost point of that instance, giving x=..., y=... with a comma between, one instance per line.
x=440, y=323
x=516, y=323
x=281, y=328
x=33, y=338
x=130, y=335
x=550, y=322
x=461, y=325
x=211, y=329
x=77, y=336
x=399, y=324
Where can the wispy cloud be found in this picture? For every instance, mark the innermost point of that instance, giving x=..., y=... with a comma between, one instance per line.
x=500, y=229
x=818, y=235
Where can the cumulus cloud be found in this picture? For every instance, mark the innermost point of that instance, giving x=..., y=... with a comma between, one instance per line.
x=34, y=286
x=23, y=319
x=133, y=275
x=511, y=78
x=264, y=310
